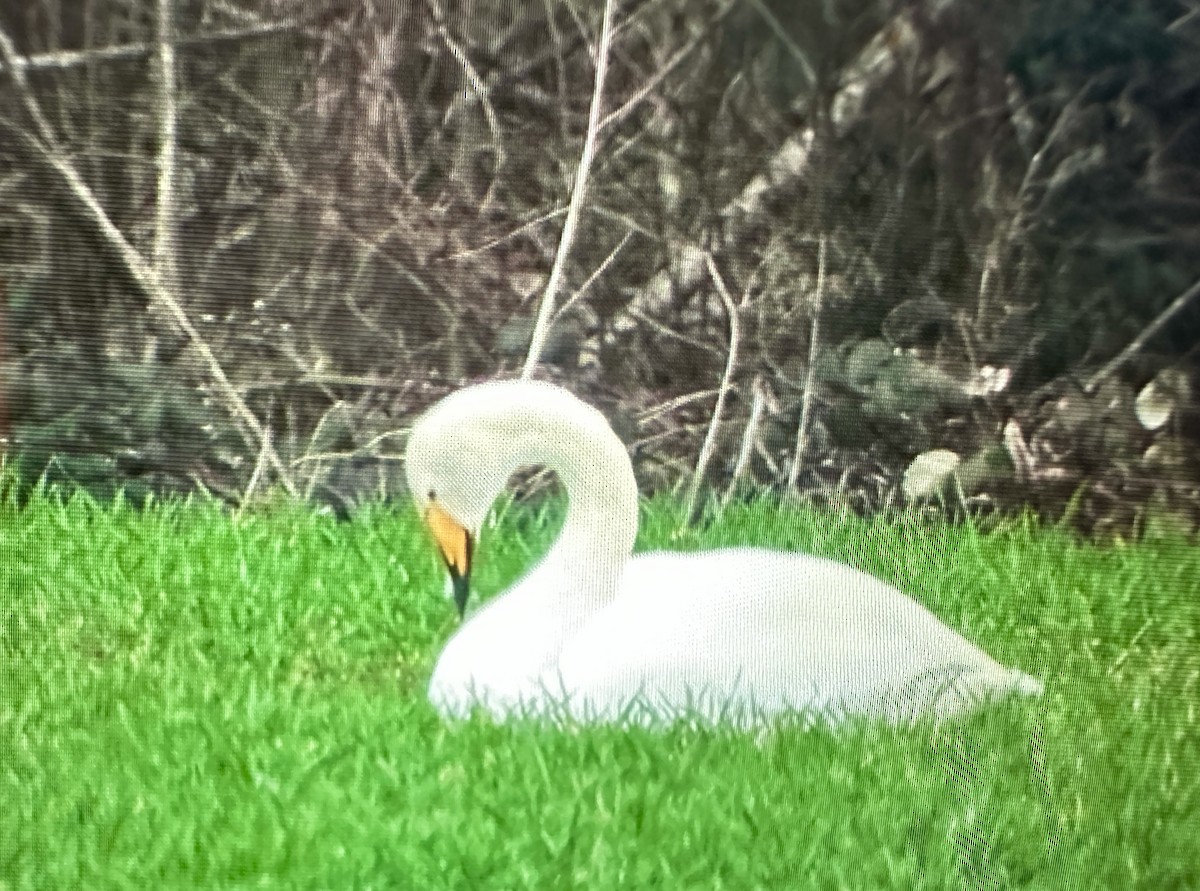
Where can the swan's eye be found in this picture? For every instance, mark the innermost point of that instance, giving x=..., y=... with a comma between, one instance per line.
x=432, y=495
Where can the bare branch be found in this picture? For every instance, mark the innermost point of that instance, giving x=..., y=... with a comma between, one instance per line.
x=670, y=405
x=761, y=400
x=501, y=239
x=810, y=375
x=793, y=159
x=710, y=438
x=64, y=59
x=478, y=87
x=667, y=331
x=786, y=39
x=541, y=328
x=165, y=216
x=670, y=65
x=1138, y=342
x=583, y=289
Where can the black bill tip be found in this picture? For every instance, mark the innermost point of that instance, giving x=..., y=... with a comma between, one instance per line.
x=461, y=583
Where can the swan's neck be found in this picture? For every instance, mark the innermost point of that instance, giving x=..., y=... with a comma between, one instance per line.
x=602, y=512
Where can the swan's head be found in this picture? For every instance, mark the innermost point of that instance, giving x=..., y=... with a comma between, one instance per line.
x=462, y=451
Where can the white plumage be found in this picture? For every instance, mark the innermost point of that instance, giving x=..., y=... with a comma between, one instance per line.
x=591, y=634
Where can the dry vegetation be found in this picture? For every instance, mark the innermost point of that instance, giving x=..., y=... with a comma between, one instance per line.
x=867, y=249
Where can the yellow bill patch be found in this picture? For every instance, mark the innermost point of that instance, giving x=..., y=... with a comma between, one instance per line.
x=452, y=539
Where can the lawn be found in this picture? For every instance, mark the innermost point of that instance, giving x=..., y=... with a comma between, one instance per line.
x=193, y=699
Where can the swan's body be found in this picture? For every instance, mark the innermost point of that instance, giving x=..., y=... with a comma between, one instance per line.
x=739, y=635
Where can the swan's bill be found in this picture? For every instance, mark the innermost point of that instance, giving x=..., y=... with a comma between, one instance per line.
x=454, y=543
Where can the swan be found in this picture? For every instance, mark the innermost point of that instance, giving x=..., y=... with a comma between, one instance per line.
x=741, y=636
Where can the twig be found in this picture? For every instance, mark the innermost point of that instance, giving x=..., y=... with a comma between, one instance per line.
x=326, y=379
x=583, y=289
x=1138, y=342
x=1183, y=21
x=655, y=438
x=670, y=405
x=501, y=239
x=814, y=341
x=786, y=39
x=560, y=68
x=792, y=161
x=758, y=405
x=541, y=329
x=710, y=437
x=660, y=75
x=165, y=209
x=338, y=408
x=64, y=59
x=259, y=470
x=318, y=457
x=478, y=87
x=667, y=331
x=142, y=273
x=1004, y=236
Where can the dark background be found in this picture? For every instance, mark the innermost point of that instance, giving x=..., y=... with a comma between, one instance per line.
x=242, y=243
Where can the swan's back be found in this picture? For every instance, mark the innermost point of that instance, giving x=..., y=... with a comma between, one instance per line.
x=745, y=632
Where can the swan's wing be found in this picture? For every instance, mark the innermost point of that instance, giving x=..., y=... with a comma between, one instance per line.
x=498, y=655
x=754, y=632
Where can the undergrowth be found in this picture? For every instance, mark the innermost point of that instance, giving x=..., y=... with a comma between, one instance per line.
x=190, y=698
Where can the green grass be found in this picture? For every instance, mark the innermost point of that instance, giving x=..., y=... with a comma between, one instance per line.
x=189, y=699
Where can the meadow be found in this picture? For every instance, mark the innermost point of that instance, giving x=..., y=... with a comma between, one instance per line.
x=195, y=698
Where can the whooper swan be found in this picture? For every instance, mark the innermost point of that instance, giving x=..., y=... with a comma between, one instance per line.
x=591, y=634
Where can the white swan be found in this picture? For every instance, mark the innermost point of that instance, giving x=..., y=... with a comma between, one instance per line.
x=591, y=634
